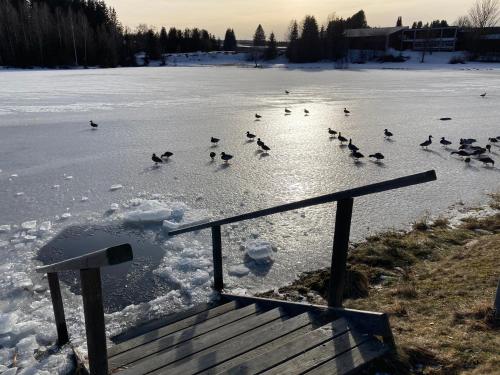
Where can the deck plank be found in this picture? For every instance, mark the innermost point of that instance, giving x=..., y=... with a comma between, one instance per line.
x=161, y=322
x=171, y=328
x=200, y=343
x=353, y=361
x=232, y=348
x=320, y=354
x=176, y=338
x=286, y=350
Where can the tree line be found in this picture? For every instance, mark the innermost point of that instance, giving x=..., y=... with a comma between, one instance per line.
x=309, y=42
x=52, y=33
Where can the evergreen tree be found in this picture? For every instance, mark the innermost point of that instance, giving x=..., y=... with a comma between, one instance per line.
x=292, y=51
x=414, y=26
x=163, y=40
x=419, y=25
x=272, y=48
x=357, y=21
x=399, y=22
x=309, y=42
x=259, y=38
x=229, y=40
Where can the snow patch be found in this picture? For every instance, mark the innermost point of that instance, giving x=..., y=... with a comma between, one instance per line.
x=115, y=187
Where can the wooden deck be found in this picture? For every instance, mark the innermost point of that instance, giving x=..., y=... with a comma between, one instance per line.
x=244, y=335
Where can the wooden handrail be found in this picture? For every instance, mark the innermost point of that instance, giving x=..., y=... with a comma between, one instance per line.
x=100, y=258
x=379, y=187
x=89, y=266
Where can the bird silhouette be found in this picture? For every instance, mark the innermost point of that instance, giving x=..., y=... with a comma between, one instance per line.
x=341, y=138
x=266, y=148
x=306, y=112
x=357, y=155
x=167, y=154
x=346, y=111
x=215, y=141
x=487, y=160
x=377, y=156
x=287, y=92
x=332, y=132
x=213, y=155
x=351, y=146
x=259, y=142
x=287, y=111
x=444, y=142
x=250, y=135
x=156, y=159
x=257, y=116
x=225, y=157
x=427, y=143
x=387, y=133
x=93, y=124
x=483, y=95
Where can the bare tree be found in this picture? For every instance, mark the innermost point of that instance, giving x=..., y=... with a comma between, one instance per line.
x=463, y=22
x=484, y=13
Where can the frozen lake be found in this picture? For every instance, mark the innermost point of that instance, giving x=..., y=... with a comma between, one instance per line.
x=45, y=139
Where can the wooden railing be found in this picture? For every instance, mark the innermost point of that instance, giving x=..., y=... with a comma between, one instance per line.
x=345, y=201
x=90, y=274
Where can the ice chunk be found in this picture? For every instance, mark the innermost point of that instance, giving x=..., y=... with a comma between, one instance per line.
x=19, y=193
x=85, y=199
x=68, y=177
x=27, y=225
x=45, y=227
x=7, y=321
x=29, y=238
x=200, y=277
x=169, y=225
x=65, y=216
x=114, y=207
x=5, y=228
x=56, y=186
x=14, y=175
x=116, y=187
x=259, y=250
x=239, y=270
x=148, y=211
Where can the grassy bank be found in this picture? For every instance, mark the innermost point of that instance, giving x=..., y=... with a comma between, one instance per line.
x=437, y=282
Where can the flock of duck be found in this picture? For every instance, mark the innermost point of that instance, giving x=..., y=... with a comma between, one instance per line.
x=467, y=150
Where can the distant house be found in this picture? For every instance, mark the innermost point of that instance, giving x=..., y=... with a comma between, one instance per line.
x=430, y=39
x=484, y=44
x=369, y=43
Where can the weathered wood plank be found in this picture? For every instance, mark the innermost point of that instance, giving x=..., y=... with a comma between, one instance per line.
x=171, y=328
x=339, y=254
x=101, y=258
x=353, y=361
x=257, y=352
x=176, y=338
x=57, y=304
x=200, y=343
x=94, y=321
x=161, y=322
x=285, y=351
x=397, y=183
x=320, y=354
x=217, y=258
x=232, y=348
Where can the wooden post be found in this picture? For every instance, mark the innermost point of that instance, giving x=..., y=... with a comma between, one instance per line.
x=217, y=258
x=339, y=255
x=94, y=320
x=57, y=304
x=497, y=302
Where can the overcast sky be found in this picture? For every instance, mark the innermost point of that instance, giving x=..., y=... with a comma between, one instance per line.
x=275, y=15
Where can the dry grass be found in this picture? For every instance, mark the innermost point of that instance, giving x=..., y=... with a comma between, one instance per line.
x=438, y=285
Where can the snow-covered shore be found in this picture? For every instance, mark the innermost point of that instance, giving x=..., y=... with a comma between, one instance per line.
x=432, y=61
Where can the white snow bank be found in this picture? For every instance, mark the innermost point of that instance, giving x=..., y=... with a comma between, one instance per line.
x=259, y=250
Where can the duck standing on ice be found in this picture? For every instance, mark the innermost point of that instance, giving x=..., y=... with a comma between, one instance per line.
x=225, y=157
x=93, y=124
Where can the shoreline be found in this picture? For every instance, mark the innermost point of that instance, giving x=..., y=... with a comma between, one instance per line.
x=435, y=61
x=449, y=260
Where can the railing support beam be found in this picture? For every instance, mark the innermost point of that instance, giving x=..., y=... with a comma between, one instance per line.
x=217, y=258
x=57, y=304
x=340, y=249
x=94, y=320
